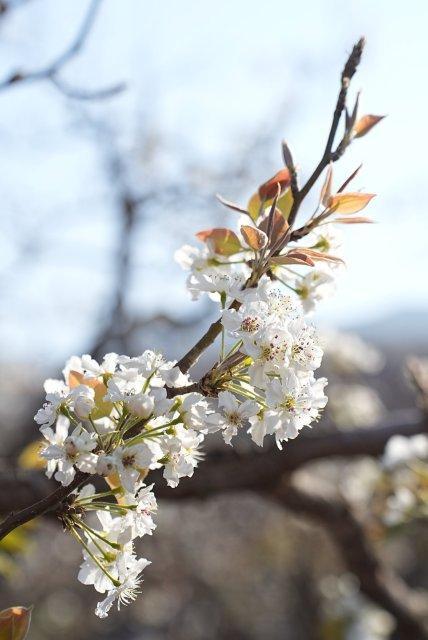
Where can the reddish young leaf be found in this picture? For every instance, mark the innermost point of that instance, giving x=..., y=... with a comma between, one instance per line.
x=354, y=220
x=349, y=202
x=14, y=623
x=284, y=204
x=365, y=124
x=225, y=242
x=269, y=189
x=293, y=257
x=325, y=194
x=319, y=255
x=255, y=238
x=232, y=205
x=279, y=228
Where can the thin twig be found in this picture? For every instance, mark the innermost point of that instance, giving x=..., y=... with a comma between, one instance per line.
x=51, y=71
x=328, y=155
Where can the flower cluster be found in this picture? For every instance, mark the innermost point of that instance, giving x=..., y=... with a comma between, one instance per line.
x=125, y=417
x=115, y=420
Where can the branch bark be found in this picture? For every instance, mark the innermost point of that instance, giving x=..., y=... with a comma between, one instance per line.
x=49, y=503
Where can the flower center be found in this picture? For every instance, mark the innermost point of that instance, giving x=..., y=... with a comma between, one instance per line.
x=234, y=418
x=128, y=460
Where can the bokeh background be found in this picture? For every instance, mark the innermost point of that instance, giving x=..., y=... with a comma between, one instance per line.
x=96, y=196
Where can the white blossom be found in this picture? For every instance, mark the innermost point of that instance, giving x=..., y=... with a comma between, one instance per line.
x=233, y=414
x=65, y=452
x=181, y=454
x=130, y=461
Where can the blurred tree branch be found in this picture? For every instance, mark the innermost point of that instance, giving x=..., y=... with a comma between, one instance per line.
x=226, y=471
x=52, y=71
x=269, y=473
x=377, y=582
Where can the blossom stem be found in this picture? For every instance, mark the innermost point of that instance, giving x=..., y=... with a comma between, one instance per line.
x=100, y=442
x=73, y=531
x=95, y=534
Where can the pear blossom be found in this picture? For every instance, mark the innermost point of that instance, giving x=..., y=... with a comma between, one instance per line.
x=270, y=351
x=326, y=239
x=65, y=452
x=316, y=285
x=139, y=521
x=128, y=589
x=400, y=450
x=130, y=461
x=57, y=393
x=306, y=352
x=90, y=367
x=131, y=414
x=296, y=402
x=233, y=416
x=216, y=282
x=181, y=454
x=261, y=425
x=83, y=401
x=193, y=411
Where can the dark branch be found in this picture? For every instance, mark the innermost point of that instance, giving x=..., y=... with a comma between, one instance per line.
x=329, y=155
x=206, y=341
x=227, y=471
x=376, y=581
x=224, y=471
x=49, y=503
x=51, y=71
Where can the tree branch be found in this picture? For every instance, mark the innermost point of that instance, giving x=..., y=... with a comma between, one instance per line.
x=328, y=155
x=226, y=471
x=52, y=70
x=298, y=195
x=376, y=581
x=206, y=341
x=223, y=471
x=49, y=503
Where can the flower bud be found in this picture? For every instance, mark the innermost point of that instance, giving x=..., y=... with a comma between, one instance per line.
x=105, y=465
x=83, y=401
x=141, y=405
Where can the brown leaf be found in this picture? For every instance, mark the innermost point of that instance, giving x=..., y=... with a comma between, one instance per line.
x=232, y=205
x=225, y=242
x=255, y=238
x=268, y=190
x=319, y=255
x=354, y=220
x=350, y=202
x=293, y=257
x=279, y=228
x=14, y=623
x=365, y=124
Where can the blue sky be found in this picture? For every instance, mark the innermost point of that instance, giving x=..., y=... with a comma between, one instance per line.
x=203, y=77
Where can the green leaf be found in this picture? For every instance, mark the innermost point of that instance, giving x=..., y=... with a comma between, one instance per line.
x=225, y=242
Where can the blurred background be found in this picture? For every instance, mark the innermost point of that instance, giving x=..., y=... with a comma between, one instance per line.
x=101, y=183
